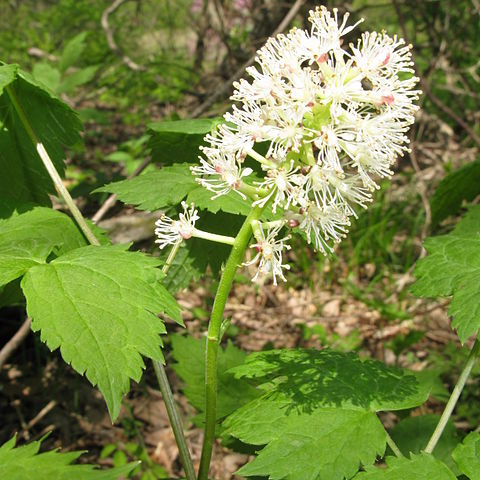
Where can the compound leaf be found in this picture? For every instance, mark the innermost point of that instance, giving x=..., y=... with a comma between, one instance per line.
x=324, y=444
x=99, y=305
x=29, y=238
x=418, y=467
x=316, y=403
x=453, y=268
x=155, y=190
x=467, y=456
x=25, y=463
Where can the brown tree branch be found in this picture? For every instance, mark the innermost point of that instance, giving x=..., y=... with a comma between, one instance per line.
x=14, y=342
x=111, y=41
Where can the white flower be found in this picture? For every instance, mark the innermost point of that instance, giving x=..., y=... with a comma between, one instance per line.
x=222, y=171
x=331, y=119
x=281, y=183
x=171, y=231
x=269, y=255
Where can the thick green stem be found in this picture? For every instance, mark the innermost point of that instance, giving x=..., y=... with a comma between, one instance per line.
x=52, y=171
x=214, y=331
x=452, y=401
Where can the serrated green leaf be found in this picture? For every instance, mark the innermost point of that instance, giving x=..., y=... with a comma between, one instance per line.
x=99, y=305
x=8, y=73
x=467, y=456
x=155, y=190
x=462, y=184
x=324, y=444
x=419, y=467
x=453, y=268
x=29, y=238
x=24, y=177
x=72, y=51
x=230, y=203
x=317, y=411
x=178, y=141
x=189, y=354
x=25, y=463
x=413, y=433
x=325, y=378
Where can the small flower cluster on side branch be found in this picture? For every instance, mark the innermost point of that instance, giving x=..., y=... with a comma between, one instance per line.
x=334, y=120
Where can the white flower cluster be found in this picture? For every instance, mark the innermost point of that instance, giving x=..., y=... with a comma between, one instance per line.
x=329, y=120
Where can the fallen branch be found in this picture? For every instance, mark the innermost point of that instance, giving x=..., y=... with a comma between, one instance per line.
x=111, y=41
x=14, y=342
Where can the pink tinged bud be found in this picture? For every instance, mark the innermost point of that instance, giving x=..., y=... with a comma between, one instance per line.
x=387, y=99
x=185, y=235
x=322, y=58
x=258, y=248
x=310, y=104
x=387, y=59
x=292, y=223
x=218, y=168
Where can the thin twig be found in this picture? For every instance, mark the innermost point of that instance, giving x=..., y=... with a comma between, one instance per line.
x=223, y=89
x=15, y=341
x=111, y=41
x=111, y=200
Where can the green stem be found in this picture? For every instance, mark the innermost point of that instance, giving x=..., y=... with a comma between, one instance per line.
x=213, y=237
x=167, y=394
x=452, y=401
x=52, y=171
x=393, y=445
x=214, y=330
x=92, y=239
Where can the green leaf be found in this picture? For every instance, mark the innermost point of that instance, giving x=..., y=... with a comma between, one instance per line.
x=155, y=190
x=75, y=79
x=72, y=51
x=178, y=141
x=453, y=268
x=99, y=305
x=413, y=433
x=230, y=203
x=419, y=467
x=47, y=75
x=189, y=353
x=28, y=239
x=25, y=463
x=8, y=73
x=24, y=177
x=467, y=456
x=462, y=184
x=325, y=378
x=324, y=444
x=317, y=415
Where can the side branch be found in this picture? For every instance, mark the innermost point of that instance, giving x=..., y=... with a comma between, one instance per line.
x=14, y=342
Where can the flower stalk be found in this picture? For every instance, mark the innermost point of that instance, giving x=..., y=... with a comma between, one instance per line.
x=452, y=401
x=213, y=339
